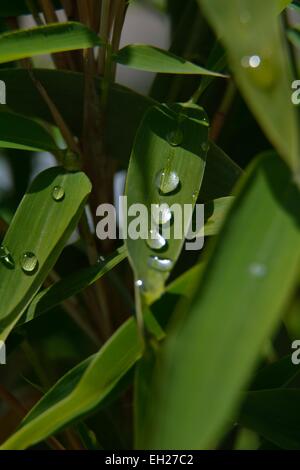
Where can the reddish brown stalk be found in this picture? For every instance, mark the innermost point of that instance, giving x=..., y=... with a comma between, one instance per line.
x=21, y=411
x=3, y=227
x=221, y=114
x=62, y=60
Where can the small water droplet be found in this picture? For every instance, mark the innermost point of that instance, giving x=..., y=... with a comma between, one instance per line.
x=195, y=195
x=175, y=138
x=139, y=283
x=58, y=193
x=6, y=257
x=155, y=241
x=260, y=69
x=258, y=270
x=167, y=181
x=204, y=120
x=29, y=262
x=205, y=146
x=161, y=214
x=252, y=61
x=160, y=264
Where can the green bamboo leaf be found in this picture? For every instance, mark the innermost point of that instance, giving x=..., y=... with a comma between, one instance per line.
x=274, y=414
x=19, y=132
x=283, y=4
x=220, y=176
x=45, y=40
x=215, y=214
x=72, y=285
x=66, y=90
x=100, y=377
x=43, y=223
x=85, y=387
x=294, y=36
x=226, y=311
x=254, y=42
x=153, y=59
x=162, y=171
x=276, y=375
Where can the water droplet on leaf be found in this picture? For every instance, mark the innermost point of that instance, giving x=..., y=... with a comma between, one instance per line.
x=258, y=270
x=175, y=138
x=161, y=214
x=160, y=264
x=167, y=181
x=155, y=240
x=58, y=193
x=6, y=257
x=260, y=70
x=29, y=262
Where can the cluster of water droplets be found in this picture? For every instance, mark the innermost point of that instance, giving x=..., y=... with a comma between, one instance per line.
x=28, y=260
x=167, y=182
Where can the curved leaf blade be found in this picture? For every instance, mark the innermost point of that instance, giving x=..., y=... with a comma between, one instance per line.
x=153, y=59
x=46, y=40
x=267, y=204
x=265, y=82
x=20, y=132
x=152, y=154
x=46, y=226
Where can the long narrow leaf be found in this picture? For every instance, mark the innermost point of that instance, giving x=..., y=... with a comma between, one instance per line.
x=214, y=349
x=42, y=225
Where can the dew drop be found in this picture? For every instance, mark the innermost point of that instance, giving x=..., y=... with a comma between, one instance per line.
x=6, y=257
x=29, y=262
x=156, y=241
x=195, y=195
x=161, y=214
x=252, y=61
x=167, y=181
x=175, y=138
x=260, y=70
x=160, y=264
x=58, y=193
x=258, y=270
x=139, y=283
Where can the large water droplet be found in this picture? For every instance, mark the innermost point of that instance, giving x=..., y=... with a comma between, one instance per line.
x=252, y=61
x=6, y=257
x=160, y=264
x=58, y=193
x=155, y=241
x=167, y=181
x=258, y=270
x=260, y=69
x=161, y=214
x=175, y=138
x=29, y=262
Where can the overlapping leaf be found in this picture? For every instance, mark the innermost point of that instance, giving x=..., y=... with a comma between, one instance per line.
x=260, y=66
x=215, y=347
x=45, y=40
